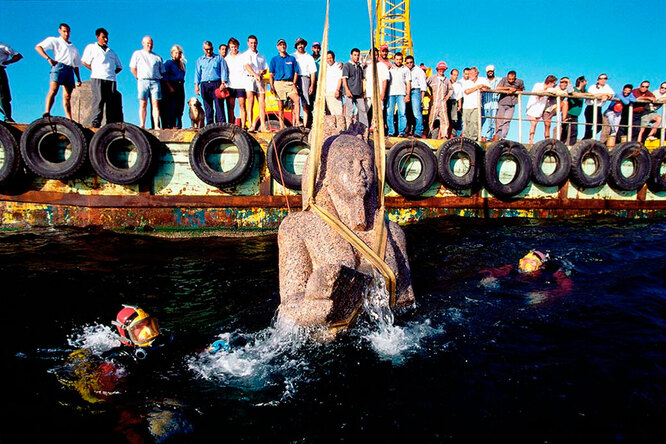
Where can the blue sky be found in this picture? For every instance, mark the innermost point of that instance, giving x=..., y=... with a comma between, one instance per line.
x=535, y=38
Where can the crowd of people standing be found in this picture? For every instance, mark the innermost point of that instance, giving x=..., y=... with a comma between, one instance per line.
x=458, y=104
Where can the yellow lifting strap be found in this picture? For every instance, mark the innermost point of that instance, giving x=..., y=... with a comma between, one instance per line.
x=374, y=255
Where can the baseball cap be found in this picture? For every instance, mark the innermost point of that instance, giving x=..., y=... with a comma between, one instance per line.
x=316, y=44
x=442, y=65
x=280, y=41
x=383, y=47
x=490, y=68
x=300, y=40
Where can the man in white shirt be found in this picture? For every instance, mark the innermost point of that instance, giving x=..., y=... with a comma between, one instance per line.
x=383, y=77
x=471, y=102
x=104, y=64
x=603, y=92
x=490, y=105
x=7, y=57
x=148, y=68
x=418, y=90
x=333, y=85
x=64, y=65
x=399, y=94
x=306, y=78
x=255, y=66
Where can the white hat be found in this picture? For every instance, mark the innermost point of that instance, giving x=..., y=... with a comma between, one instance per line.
x=490, y=68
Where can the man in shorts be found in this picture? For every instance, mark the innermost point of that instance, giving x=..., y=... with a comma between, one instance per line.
x=307, y=77
x=283, y=77
x=148, y=68
x=256, y=67
x=643, y=113
x=64, y=66
x=237, y=81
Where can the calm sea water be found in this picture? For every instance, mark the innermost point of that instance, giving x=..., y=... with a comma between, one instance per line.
x=505, y=360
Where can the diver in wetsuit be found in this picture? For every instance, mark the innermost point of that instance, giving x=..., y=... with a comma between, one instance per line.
x=539, y=269
x=143, y=348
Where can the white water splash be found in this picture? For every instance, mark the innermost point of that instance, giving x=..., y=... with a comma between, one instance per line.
x=389, y=341
x=269, y=357
x=97, y=338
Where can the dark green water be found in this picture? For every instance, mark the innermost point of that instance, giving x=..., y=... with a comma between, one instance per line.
x=473, y=361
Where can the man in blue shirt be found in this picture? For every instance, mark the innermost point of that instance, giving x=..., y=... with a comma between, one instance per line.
x=284, y=73
x=211, y=73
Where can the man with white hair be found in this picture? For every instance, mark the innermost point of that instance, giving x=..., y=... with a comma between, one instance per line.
x=148, y=68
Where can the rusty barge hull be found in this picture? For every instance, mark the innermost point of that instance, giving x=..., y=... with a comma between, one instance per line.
x=174, y=198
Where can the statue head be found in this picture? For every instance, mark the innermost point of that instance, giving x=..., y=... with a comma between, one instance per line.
x=347, y=183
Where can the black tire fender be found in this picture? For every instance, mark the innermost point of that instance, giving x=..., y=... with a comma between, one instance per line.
x=642, y=166
x=101, y=155
x=657, y=181
x=556, y=149
x=284, y=139
x=10, y=154
x=37, y=147
x=523, y=166
x=469, y=149
x=401, y=152
x=582, y=150
x=205, y=140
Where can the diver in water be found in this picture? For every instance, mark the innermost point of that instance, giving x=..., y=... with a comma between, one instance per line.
x=99, y=377
x=535, y=268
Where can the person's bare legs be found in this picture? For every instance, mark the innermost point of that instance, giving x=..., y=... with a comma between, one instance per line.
x=67, y=100
x=546, y=131
x=143, y=107
x=533, y=124
x=295, y=111
x=231, y=104
x=156, y=113
x=243, y=111
x=50, y=96
x=306, y=115
x=655, y=127
x=262, y=112
x=249, y=104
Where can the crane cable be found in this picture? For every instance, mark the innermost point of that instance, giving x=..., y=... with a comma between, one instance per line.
x=374, y=255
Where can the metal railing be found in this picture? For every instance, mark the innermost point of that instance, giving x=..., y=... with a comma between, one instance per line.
x=597, y=104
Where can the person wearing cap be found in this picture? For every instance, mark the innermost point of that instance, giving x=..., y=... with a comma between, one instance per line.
x=383, y=77
x=507, y=102
x=471, y=106
x=352, y=81
x=255, y=67
x=441, y=91
x=284, y=71
x=307, y=77
x=103, y=64
x=7, y=57
x=602, y=93
x=316, y=55
x=148, y=67
x=490, y=105
x=399, y=95
x=211, y=73
x=551, y=277
x=64, y=66
x=384, y=56
x=419, y=86
x=333, y=90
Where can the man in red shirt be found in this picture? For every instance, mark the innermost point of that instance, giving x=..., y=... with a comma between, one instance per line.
x=643, y=114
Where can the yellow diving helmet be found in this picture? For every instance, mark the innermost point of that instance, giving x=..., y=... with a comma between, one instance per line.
x=136, y=327
x=532, y=261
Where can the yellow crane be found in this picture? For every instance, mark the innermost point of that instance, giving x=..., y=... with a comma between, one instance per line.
x=393, y=27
